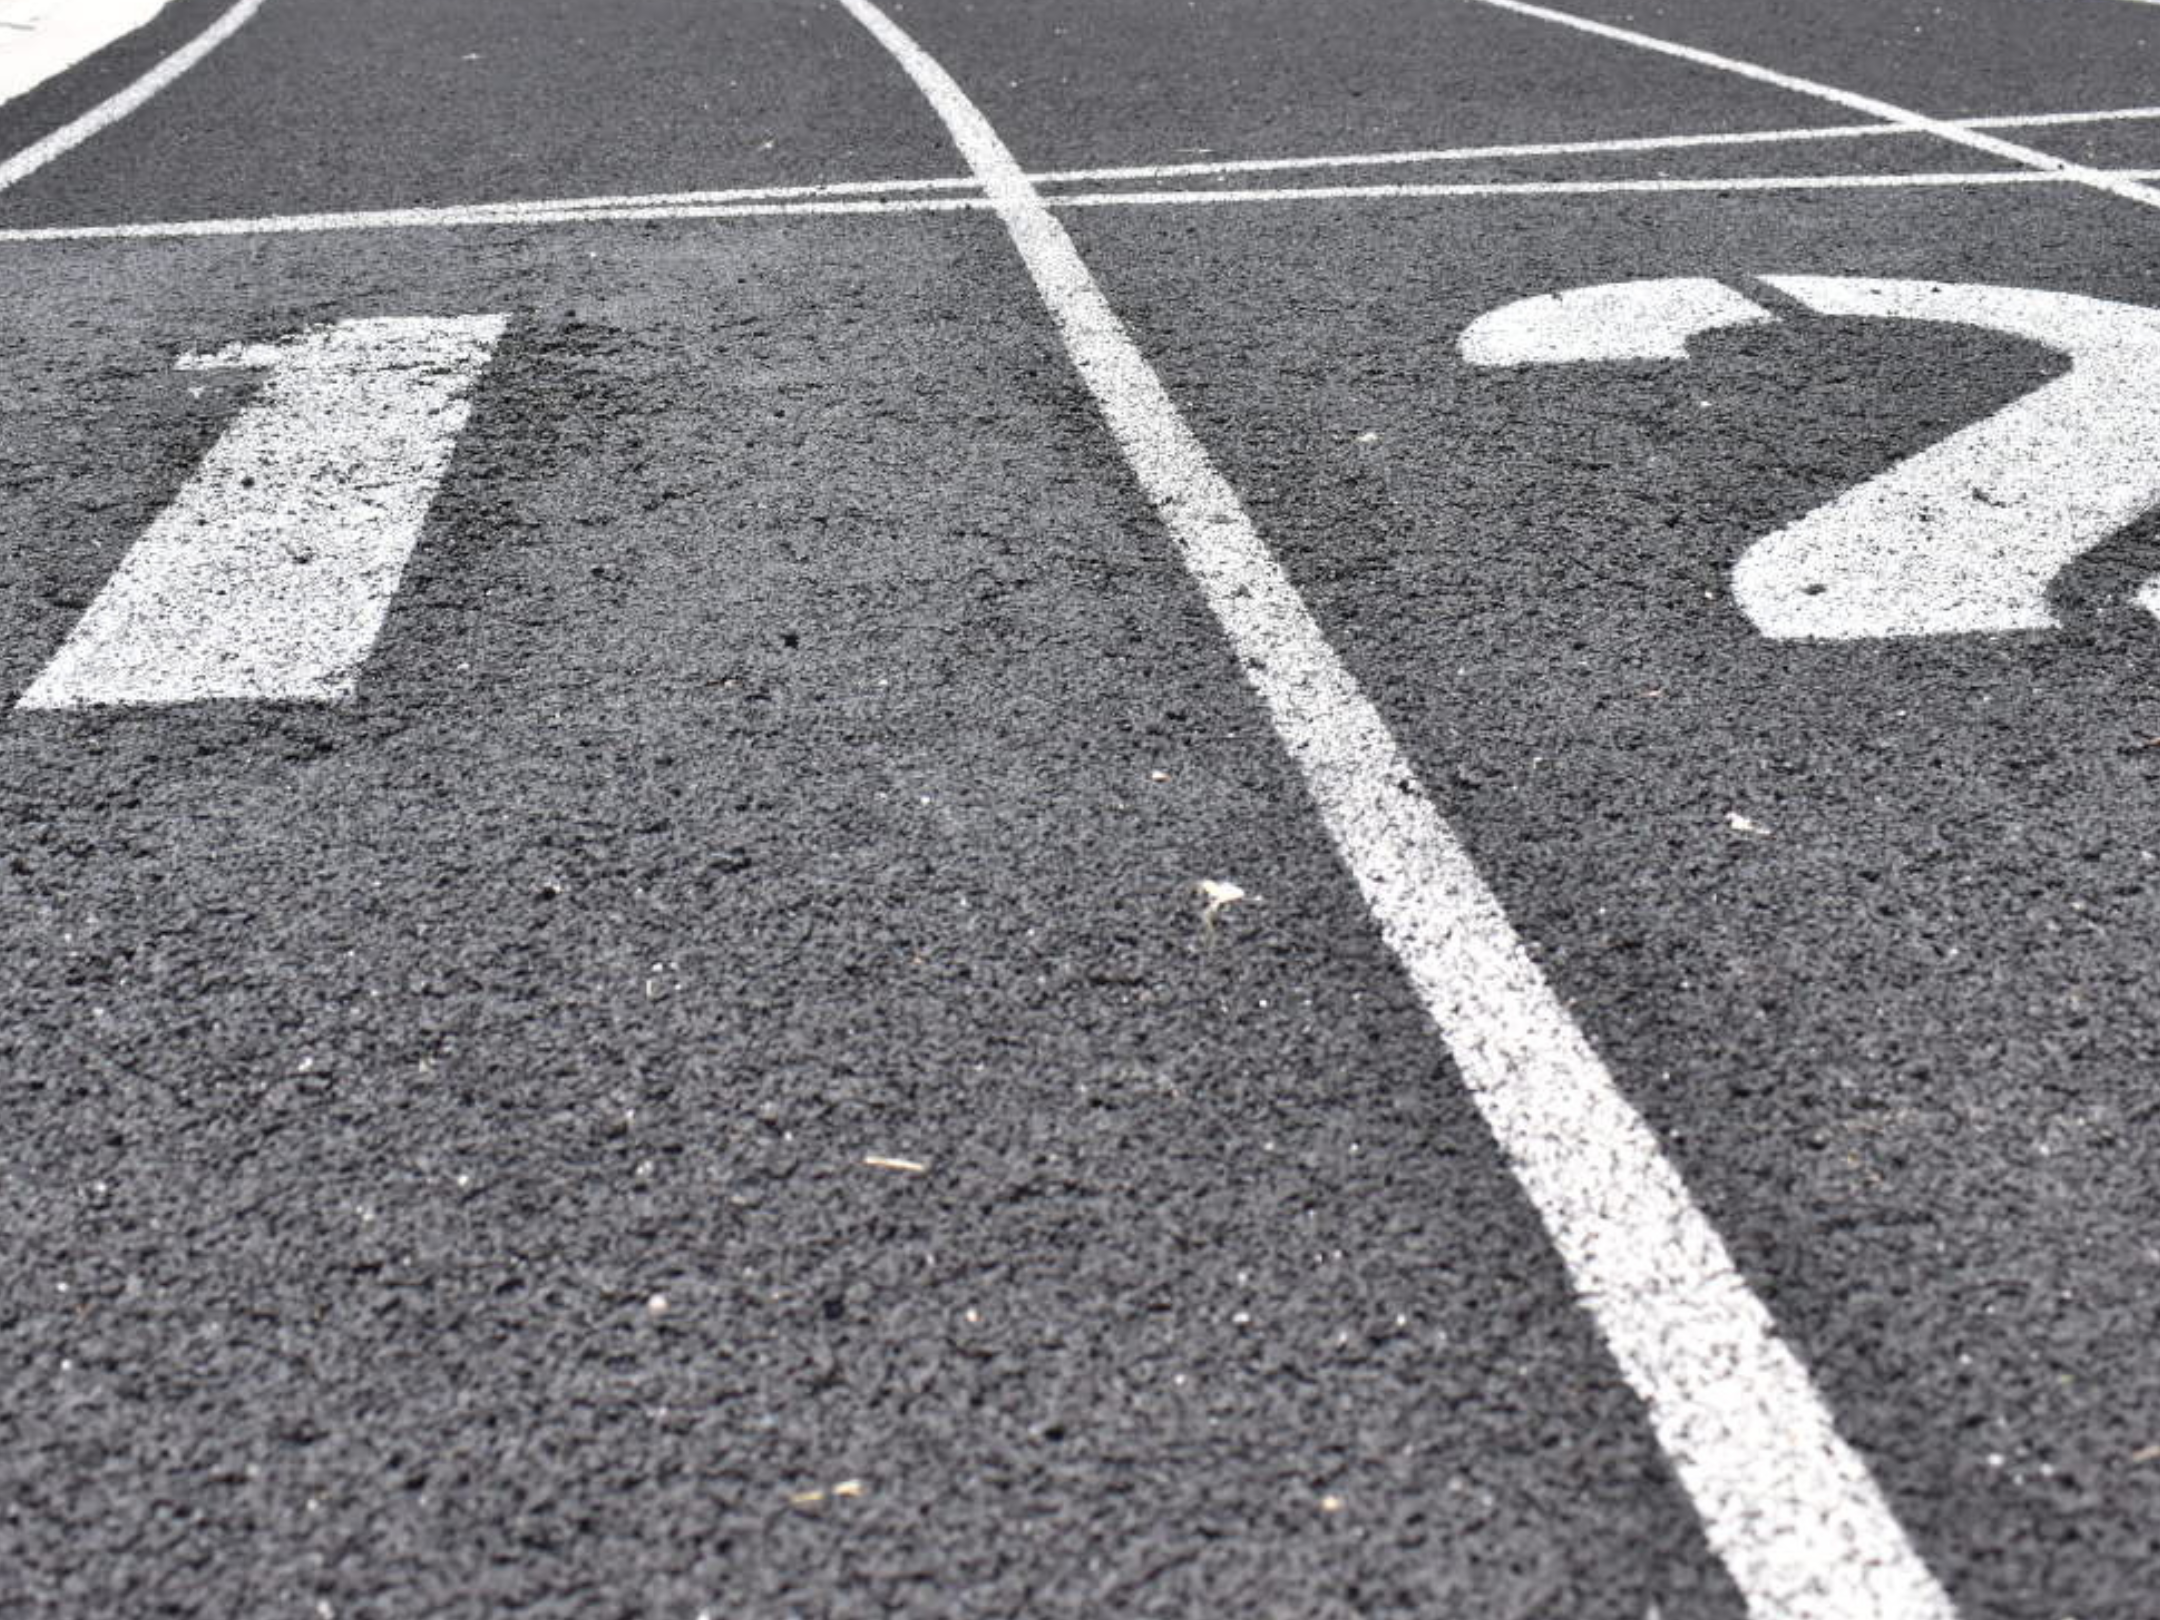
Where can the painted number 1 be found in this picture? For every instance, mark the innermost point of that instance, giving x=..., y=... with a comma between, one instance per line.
x=270, y=575
x=1967, y=535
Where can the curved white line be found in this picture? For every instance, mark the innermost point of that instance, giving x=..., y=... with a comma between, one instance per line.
x=1787, y=1505
x=116, y=107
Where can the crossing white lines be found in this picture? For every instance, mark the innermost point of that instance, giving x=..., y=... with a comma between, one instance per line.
x=1787, y=1505
x=1889, y=112
x=270, y=576
x=631, y=210
x=957, y=193
x=116, y=107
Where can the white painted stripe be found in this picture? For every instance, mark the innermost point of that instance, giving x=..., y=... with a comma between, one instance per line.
x=1389, y=159
x=1889, y=112
x=482, y=214
x=39, y=38
x=1626, y=144
x=269, y=577
x=1558, y=188
x=116, y=107
x=1786, y=1504
x=631, y=210
x=2118, y=115
x=861, y=196
x=736, y=203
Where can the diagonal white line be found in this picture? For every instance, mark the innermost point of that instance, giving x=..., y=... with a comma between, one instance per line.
x=1785, y=1502
x=1889, y=112
x=116, y=107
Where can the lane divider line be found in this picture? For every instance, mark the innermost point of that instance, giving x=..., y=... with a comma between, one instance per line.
x=117, y=106
x=1589, y=148
x=633, y=209
x=1787, y=1505
x=1888, y=111
x=871, y=196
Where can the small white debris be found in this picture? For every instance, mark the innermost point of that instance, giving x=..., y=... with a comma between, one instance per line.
x=1741, y=824
x=1217, y=895
x=656, y=1306
x=1368, y=437
x=1158, y=776
x=1331, y=1504
x=878, y=1161
x=849, y=1488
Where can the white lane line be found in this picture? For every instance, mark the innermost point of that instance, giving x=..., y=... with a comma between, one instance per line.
x=737, y=203
x=46, y=37
x=1637, y=143
x=633, y=210
x=600, y=211
x=1785, y=1502
x=1889, y=112
x=269, y=577
x=117, y=106
x=1558, y=188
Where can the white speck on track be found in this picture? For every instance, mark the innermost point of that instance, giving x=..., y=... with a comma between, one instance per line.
x=1787, y=1505
x=269, y=577
x=117, y=106
x=45, y=37
x=1888, y=111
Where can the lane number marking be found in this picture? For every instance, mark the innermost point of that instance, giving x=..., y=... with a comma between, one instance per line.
x=1966, y=536
x=270, y=576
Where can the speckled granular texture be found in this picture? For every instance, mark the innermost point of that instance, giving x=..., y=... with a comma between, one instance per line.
x=432, y=1177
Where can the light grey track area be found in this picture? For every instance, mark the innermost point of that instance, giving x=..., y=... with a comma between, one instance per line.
x=790, y=1039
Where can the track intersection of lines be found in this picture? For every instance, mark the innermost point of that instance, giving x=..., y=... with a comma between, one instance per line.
x=1075, y=807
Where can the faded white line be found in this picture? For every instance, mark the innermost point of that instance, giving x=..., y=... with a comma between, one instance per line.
x=1558, y=188
x=270, y=575
x=863, y=196
x=1785, y=1502
x=602, y=211
x=1890, y=112
x=116, y=107
x=1590, y=148
x=508, y=214
x=47, y=37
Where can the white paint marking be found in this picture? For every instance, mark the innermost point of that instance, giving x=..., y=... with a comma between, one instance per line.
x=1785, y=1502
x=634, y=211
x=45, y=37
x=269, y=577
x=1621, y=320
x=1593, y=148
x=116, y=107
x=1966, y=536
x=1889, y=112
x=847, y=197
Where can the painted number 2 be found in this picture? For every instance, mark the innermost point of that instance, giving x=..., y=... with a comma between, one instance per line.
x=1965, y=536
x=270, y=575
